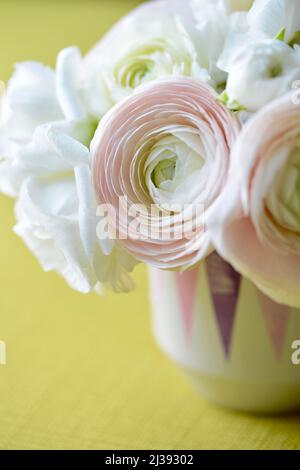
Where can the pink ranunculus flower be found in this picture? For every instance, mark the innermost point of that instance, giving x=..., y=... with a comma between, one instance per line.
x=256, y=223
x=167, y=145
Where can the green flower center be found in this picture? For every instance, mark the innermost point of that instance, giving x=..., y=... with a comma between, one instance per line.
x=275, y=71
x=164, y=171
x=173, y=167
x=158, y=57
x=135, y=66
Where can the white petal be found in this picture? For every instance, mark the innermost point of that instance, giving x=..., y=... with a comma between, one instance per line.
x=48, y=211
x=68, y=148
x=68, y=72
x=30, y=99
x=87, y=209
x=270, y=16
x=11, y=178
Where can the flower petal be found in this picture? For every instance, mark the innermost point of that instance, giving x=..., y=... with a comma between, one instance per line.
x=68, y=72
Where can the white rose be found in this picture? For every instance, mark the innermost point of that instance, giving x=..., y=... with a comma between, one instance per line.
x=45, y=134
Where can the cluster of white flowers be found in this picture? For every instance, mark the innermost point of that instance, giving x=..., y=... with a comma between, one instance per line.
x=262, y=54
x=249, y=54
x=45, y=132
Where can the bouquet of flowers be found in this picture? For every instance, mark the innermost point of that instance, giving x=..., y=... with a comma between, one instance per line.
x=176, y=135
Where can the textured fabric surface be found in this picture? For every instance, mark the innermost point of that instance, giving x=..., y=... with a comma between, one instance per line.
x=84, y=372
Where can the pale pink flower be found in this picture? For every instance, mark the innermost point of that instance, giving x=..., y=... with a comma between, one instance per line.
x=168, y=144
x=256, y=224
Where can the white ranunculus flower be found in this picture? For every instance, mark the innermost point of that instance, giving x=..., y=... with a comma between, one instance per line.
x=260, y=72
x=45, y=132
x=159, y=39
x=273, y=16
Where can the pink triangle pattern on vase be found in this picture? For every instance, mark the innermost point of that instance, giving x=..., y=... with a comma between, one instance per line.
x=277, y=319
x=224, y=284
x=186, y=284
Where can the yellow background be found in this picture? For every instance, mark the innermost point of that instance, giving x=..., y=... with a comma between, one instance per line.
x=82, y=371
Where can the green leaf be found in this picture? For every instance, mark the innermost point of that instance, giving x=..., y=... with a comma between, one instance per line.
x=223, y=98
x=281, y=35
x=295, y=39
x=233, y=105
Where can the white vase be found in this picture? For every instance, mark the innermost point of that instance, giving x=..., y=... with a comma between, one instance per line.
x=235, y=343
